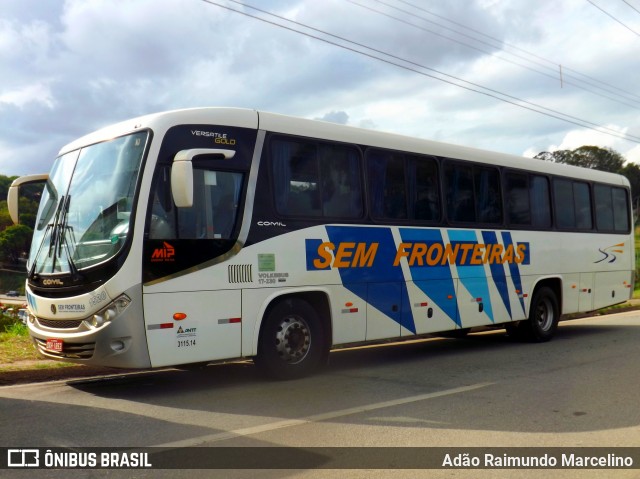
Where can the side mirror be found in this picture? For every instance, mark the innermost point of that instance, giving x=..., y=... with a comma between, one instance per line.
x=182, y=172
x=182, y=183
x=13, y=195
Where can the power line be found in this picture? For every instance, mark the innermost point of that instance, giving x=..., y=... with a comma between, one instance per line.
x=413, y=67
x=611, y=16
x=553, y=68
x=551, y=64
x=631, y=6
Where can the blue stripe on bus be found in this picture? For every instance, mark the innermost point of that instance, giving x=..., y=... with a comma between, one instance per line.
x=472, y=277
x=435, y=281
x=382, y=270
x=513, y=267
x=369, y=255
x=497, y=272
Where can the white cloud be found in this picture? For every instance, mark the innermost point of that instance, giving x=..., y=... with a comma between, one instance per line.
x=35, y=93
x=76, y=66
x=340, y=117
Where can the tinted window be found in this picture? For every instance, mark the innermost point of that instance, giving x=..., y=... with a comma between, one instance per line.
x=460, y=199
x=612, y=208
x=314, y=179
x=604, y=207
x=620, y=210
x=403, y=186
x=564, y=205
x=488, y=195
x=517, y=198
x=473, y=193
x=387, y=185
x=423, y=180
x=340, y=174
x=540, y=202
x=582, y=201
x=214, y=212
x=572, y=203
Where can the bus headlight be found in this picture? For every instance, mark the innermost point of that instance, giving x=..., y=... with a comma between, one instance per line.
x=110, y=312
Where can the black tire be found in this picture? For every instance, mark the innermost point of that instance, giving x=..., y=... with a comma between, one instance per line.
x=544, y=315
x=292, y=340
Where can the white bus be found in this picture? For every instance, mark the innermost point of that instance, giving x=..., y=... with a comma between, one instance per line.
x=207, y=234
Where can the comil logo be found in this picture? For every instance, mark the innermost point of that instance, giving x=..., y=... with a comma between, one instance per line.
x=164, y=254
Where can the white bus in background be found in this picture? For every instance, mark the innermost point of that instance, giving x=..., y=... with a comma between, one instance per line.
x=207, y=234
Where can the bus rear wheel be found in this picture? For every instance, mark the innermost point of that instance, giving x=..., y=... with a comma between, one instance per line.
x=292, y=343
x=544, y=315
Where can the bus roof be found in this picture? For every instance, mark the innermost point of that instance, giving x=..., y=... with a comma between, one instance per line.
x=277, y=123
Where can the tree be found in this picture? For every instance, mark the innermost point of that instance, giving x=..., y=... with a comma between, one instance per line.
x=14, y=242
x=5, y=182
x=632, y=172
x=594, y=157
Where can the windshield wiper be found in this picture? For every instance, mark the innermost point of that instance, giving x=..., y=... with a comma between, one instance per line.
x=62, y=241
x=58, y=240
x=32, y=270
x=53, y=229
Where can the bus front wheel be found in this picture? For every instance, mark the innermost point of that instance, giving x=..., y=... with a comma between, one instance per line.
x=291, y=343
x=544, y=315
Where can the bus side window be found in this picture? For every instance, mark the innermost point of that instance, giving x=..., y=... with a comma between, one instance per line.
x=460, y=199
x=620, y=210
x=316, y=179
x=488, y=195
x=341, y=184
x=423, y=189
x=612, y=208
x=296, y=177
x=517, y=197
x=604, y=207
x=572, y=201
x=540, y=202
x=387, y=185
x=582, y=200
x=564, y=206
x=215, y=205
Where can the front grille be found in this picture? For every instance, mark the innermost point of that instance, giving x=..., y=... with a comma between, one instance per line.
x=60, y=323
x=69, y=350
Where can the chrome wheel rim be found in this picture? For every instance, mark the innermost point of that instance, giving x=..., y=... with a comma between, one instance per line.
x=293, y=339
x=544, y=314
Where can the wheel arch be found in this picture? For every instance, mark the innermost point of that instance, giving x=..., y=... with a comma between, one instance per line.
x=317, y=298
x=555, y=284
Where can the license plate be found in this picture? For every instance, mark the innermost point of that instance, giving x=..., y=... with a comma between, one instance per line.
x=55, y=345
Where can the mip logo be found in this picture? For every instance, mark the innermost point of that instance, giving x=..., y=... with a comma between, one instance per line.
x=610, y=253
x=164, y=254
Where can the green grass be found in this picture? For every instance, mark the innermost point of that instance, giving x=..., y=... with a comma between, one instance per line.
x=15, y=343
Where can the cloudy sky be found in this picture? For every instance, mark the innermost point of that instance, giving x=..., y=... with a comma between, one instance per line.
x=484, y=73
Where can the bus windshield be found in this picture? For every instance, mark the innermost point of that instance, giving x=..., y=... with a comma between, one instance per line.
x=85, y=210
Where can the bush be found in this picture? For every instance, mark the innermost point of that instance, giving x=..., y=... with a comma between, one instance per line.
x=12, y=326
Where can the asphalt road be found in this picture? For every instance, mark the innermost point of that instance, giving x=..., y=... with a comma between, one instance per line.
x=579, y=390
